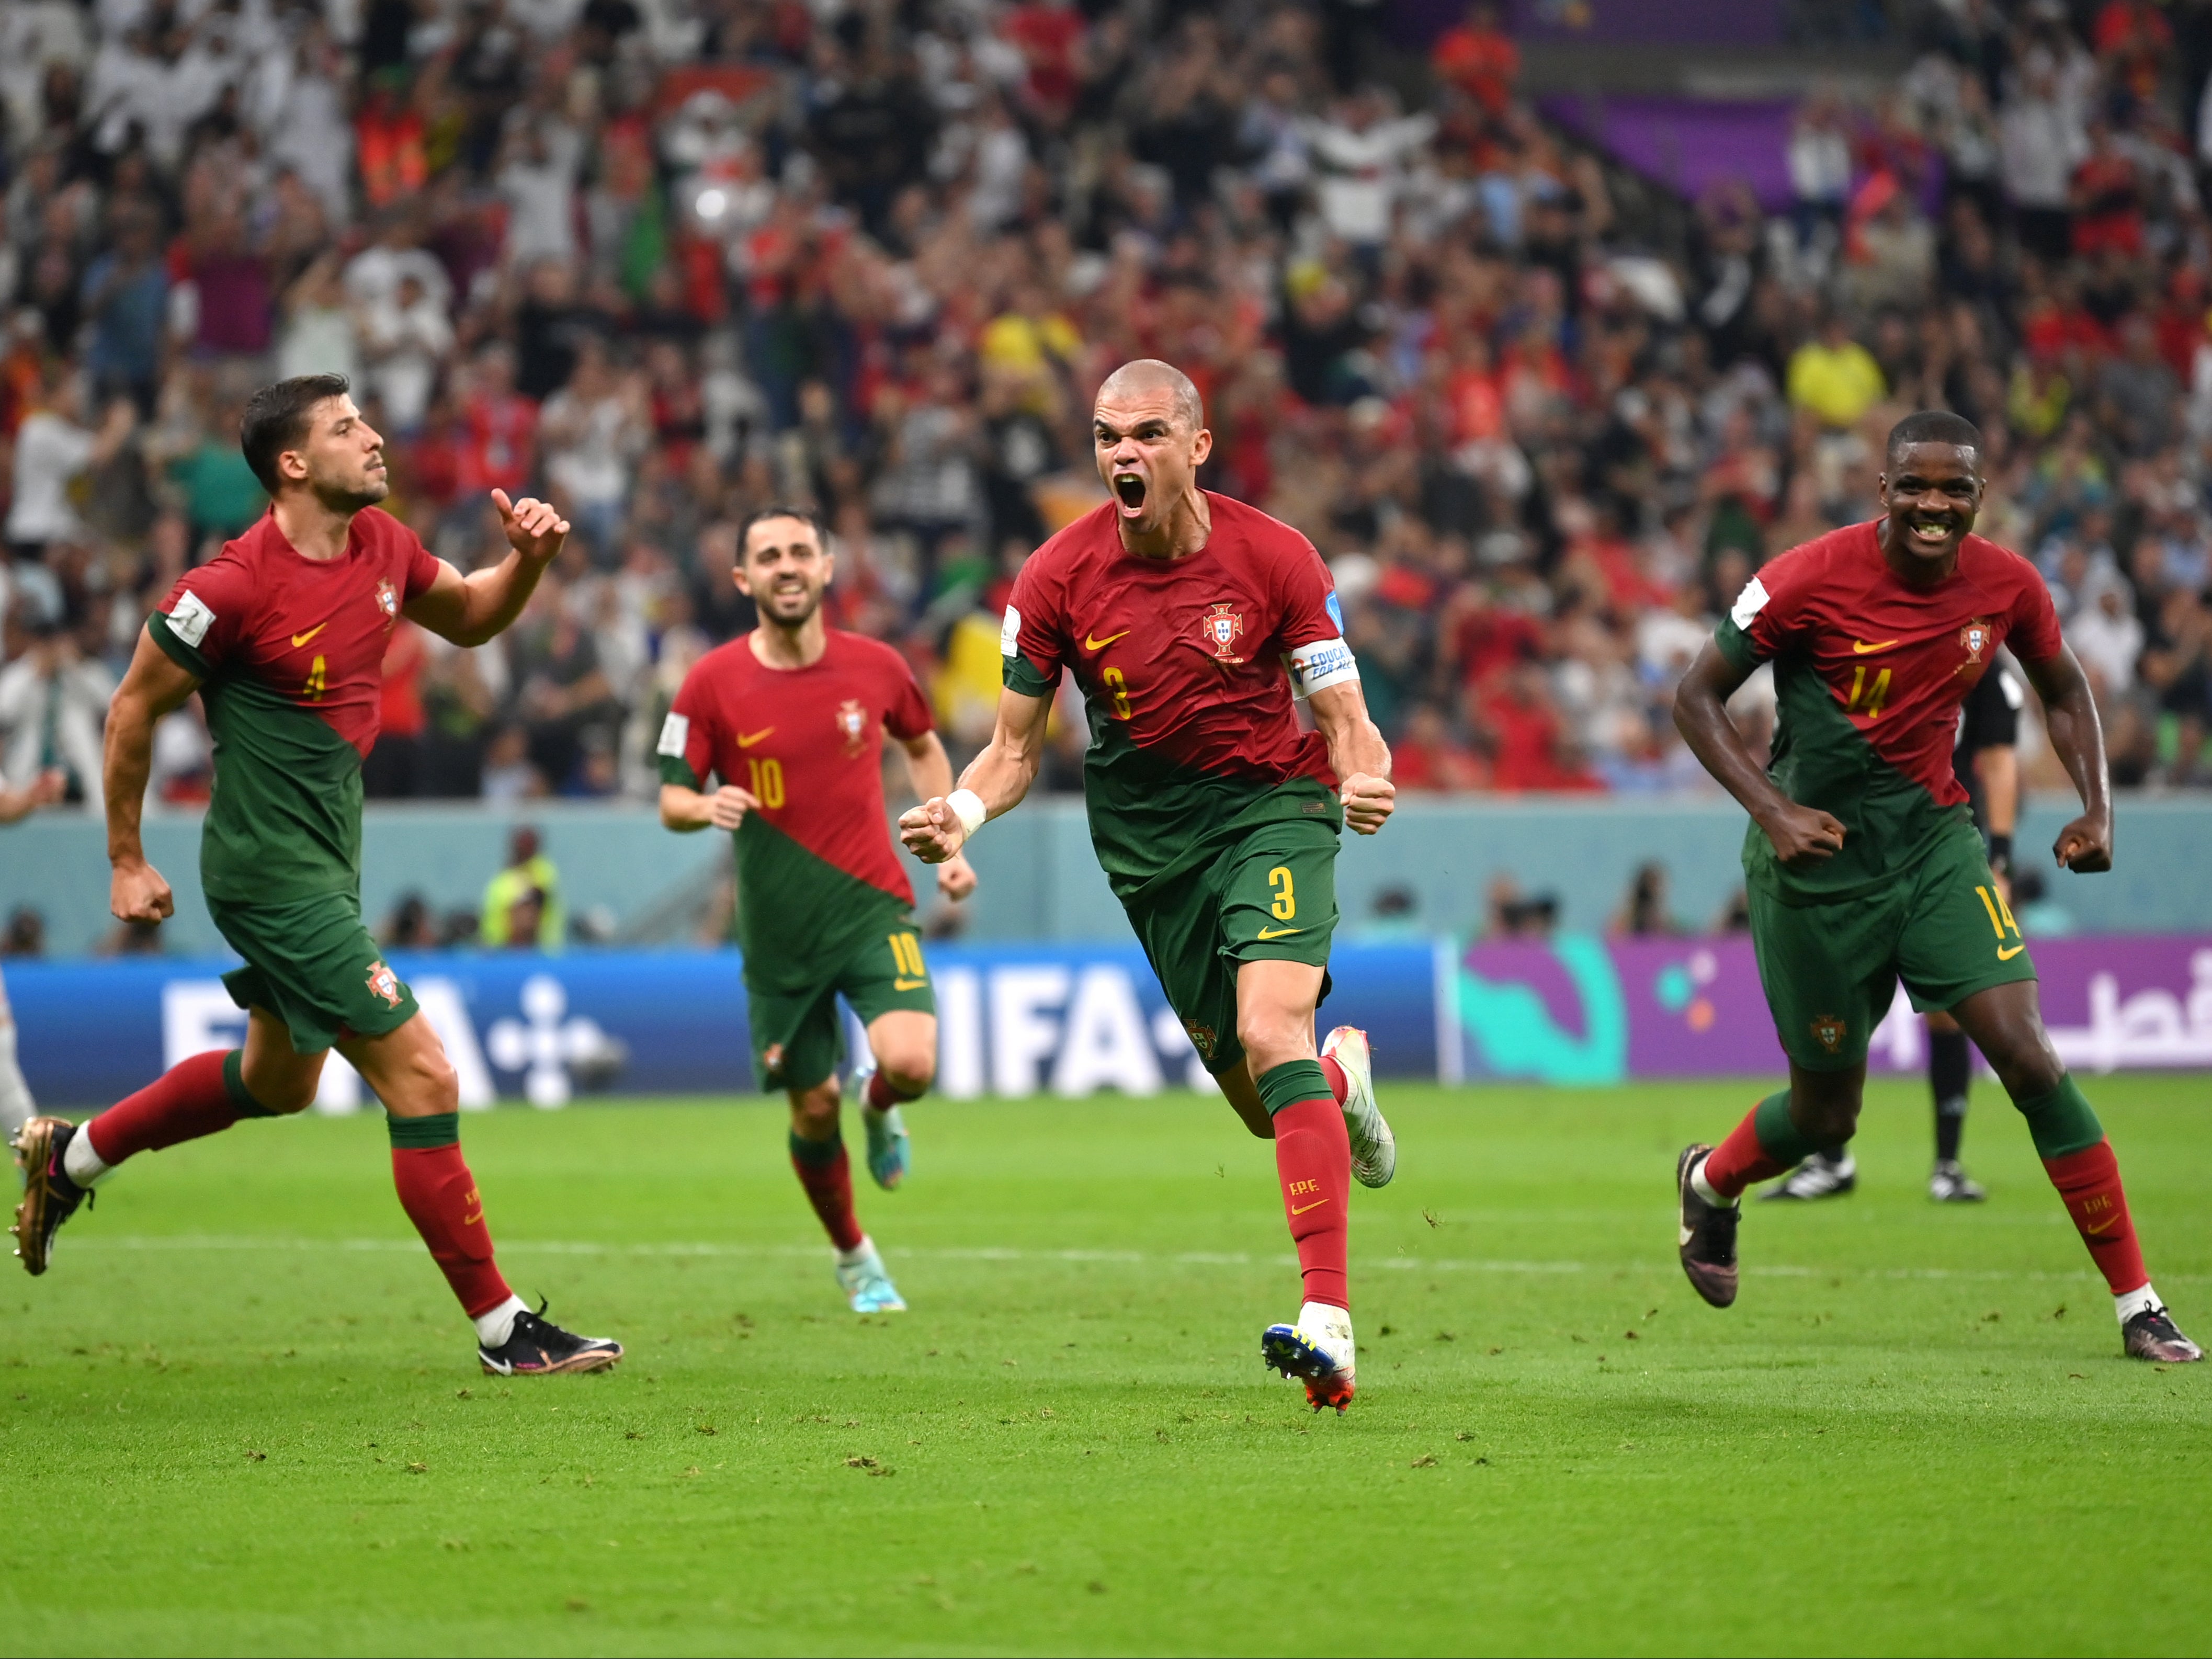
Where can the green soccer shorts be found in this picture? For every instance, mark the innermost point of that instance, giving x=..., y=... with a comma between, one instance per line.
x=1270, y=896
x=798, y=1039
x=1831, y=970
x=312, y=963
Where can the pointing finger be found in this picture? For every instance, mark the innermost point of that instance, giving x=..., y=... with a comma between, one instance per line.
x=506, y=508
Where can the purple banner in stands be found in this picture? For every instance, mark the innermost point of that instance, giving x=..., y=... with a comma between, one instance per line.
x=1582, y=1010
x=1651, y=22
x=1689, y=145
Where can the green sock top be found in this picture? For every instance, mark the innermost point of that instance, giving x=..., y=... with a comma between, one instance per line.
x=1292, y=1081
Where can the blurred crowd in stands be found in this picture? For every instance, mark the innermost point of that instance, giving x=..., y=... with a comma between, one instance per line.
x=669, y=259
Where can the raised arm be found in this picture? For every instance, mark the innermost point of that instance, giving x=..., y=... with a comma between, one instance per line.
x=1800, y=834
x=469, y=610
x=993, y=785
x=155, y=685
x=1356, y=754
x=2069, y=710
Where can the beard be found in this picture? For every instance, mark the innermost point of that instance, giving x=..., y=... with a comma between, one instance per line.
x=773, y=612
x=351, y=495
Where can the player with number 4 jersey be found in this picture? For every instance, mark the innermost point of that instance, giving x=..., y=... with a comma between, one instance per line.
x=788, y=721
x=283, y=637
x=1861, y=861
x=1193, y=624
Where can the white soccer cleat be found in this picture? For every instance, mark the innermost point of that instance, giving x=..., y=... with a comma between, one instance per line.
x=866, y=1281
x=1319, y=1350
x=1374, y=1148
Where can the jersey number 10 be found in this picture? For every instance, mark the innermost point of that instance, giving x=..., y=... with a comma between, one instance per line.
x=768, y=781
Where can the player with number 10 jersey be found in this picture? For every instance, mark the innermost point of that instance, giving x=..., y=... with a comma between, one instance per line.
x=789, y=721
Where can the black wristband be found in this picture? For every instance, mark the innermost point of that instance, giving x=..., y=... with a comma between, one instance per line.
x=2001, y=854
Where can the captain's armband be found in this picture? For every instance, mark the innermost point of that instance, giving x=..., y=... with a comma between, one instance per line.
x=1317, y=666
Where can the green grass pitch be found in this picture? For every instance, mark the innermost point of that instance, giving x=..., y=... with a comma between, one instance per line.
x=241, y=1415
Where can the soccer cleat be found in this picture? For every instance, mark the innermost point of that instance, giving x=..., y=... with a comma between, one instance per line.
x=890, y=1158
x=49, y=1197
x=2152, y=1334
x=867, y=1283
x=887, y=1146
x=1374, y=1148
x=1818, y=1176
x=1950, y=1184
x=1319, y=1350
x=1708, y=1234
x=538, y=1347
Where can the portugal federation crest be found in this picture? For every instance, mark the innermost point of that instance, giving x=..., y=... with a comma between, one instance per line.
x=387, y=601
x=1828, y=1032
x=1221, y=627
x=1975, y=636
x=383, y=982
x=853, y=724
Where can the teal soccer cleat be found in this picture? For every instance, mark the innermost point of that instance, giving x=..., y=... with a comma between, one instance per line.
x=866, y=1282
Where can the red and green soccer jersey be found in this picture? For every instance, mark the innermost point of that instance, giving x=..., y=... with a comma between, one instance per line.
x=290, y=653
x=1190, y=668
x=1868, y=674
x=817, y=873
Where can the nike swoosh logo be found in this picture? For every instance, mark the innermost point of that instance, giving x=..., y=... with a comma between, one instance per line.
x=299, y=640
x=1089, y=644
x=2102, y=1227
x=747, y=742
x=1279, y=933
x=908, y=984
x=2006, y=953
x=1302, y=1208
x=1860, y=648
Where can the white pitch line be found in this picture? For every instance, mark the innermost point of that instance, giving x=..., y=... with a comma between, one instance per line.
x=153, y=1242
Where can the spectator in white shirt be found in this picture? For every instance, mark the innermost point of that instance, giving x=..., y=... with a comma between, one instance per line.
x=53, y=450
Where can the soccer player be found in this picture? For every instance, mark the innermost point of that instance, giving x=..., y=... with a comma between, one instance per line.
x=790, y=720
x=284, y=636
x=16, y=1106
x=1861, y=861
x=1192, y=622
x=1988, y=769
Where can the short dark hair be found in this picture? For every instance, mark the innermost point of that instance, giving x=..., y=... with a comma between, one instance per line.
x=806, y=516
x=1933, y=426
x=276, y=420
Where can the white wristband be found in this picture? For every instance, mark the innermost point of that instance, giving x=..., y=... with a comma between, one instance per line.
x=968, y=806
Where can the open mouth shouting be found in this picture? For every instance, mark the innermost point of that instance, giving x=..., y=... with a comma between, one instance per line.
x=1129, y=492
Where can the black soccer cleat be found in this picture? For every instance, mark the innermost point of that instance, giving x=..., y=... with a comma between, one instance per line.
x=2152, y=1334
x=538, y=1347
x=1708, y=1234
x=1819, y=1176
x=49, y=1197
x=1949, y=1183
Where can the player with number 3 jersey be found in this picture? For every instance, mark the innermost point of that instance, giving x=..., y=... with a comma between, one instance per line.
x=789, y=721
x=1193, y=624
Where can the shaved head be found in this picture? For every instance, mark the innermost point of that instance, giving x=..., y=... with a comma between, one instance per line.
x=1150, y=374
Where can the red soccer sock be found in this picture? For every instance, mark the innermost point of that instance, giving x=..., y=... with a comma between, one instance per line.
x=193, y=1098
x=1338, y=1085
x=883, y=1096
x=1313, y=1158
x=2089, y=1182
x=440, y=1196
x=826, y=1173
x=1763, y=1145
